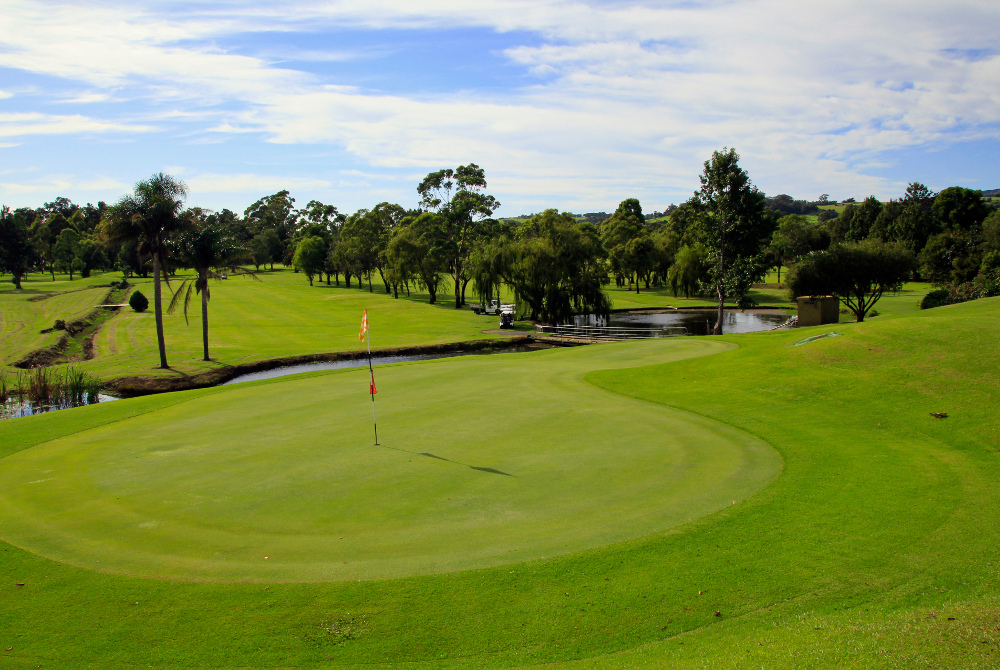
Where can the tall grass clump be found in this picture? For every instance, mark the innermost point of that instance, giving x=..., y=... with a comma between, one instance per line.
x=43, y=385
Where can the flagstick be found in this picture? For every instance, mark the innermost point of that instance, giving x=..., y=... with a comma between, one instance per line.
x=371, y=372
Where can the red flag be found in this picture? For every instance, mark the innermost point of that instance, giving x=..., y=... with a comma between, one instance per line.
x=364, y=326
x=372, y=389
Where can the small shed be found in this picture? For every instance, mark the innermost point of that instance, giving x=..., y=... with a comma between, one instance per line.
x=816, y=310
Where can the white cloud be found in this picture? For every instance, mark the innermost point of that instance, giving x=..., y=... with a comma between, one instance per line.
x=629, y=98
x=35, y=123
x=249, y=183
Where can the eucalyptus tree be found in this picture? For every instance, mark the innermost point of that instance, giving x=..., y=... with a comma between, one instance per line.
x=465, y=210
x=275, y=212
x=310, y=254
x=617, y=232
x=66, y=250
x=736, y=228
x=149, y=216
x=414, y=253
x=209, y=250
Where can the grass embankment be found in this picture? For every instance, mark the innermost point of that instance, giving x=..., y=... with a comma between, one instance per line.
x=25, y=313
x=874, y=548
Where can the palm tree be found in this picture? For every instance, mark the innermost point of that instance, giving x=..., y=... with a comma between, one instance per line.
x=208, y=249
x=148, y=217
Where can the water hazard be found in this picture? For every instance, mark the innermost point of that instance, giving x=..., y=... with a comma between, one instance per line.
x=363, y=362
x=700, y=322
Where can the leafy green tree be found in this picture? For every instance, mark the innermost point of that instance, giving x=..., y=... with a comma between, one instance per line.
x=794, y=237
x=457, y=196
x=864, y=219
x=149, y=217
x=66, y=250
x=309, y=256
x=412, y=257
x=275, y=212
x=913, y=227
x=858, y=273
x=90, y=255
x=16, y=251
x=208, y=249
x=690, y=270
x=736, y=228
x=618, y=232
x=43, y=242
x=951, y=257
x=958, y=208
x=991, y=232
x=555, y=266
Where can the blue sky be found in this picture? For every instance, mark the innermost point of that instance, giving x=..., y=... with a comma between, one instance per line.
x=565, y=104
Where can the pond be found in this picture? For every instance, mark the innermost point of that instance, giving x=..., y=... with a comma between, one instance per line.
x=700, y=322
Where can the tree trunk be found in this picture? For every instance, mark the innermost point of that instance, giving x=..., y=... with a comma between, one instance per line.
x=310, y=280
x=721, y=289
x=779, y=273
x=636, y=283
x=395, y=291
x=16, y=280
x=158, y=311
x=347, y=278
x=465, y=283
x=204, y=321
x=370, y=283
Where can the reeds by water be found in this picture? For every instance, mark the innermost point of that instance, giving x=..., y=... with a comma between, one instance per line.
x=46, y=387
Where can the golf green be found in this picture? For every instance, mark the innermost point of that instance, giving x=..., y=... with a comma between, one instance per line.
x=484, y=460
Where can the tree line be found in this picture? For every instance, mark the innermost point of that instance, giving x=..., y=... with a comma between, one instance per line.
x=720, y=242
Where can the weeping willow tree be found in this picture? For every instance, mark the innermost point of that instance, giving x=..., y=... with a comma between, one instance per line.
x=210, y=250
x=555, y=266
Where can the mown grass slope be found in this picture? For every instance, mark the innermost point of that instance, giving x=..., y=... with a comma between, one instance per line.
x=37, y=306
x=875, y=548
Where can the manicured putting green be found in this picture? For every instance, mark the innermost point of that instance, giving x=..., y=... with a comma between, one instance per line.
x=484, y=460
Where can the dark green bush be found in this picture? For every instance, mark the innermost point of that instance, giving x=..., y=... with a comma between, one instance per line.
x=138, y=301
x=936, y=298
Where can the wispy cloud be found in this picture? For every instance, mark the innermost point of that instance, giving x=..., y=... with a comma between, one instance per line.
x=628, y=98
x=34, y=123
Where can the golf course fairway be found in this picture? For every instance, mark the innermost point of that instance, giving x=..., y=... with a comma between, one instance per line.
x=483, y=460
x=874, y=547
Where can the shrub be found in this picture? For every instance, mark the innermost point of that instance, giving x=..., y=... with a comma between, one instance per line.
x=138, y=301
x=936, y=298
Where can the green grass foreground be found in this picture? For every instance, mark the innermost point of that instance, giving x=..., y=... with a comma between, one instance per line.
x=874, y=548
x=280, y=481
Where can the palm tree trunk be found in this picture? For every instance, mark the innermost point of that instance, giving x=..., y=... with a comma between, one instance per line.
x=204, y=321
x=158, y=311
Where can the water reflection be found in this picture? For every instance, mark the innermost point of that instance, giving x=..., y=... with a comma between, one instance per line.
x=363, y=362
x=700, y=322
x=15, y=409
